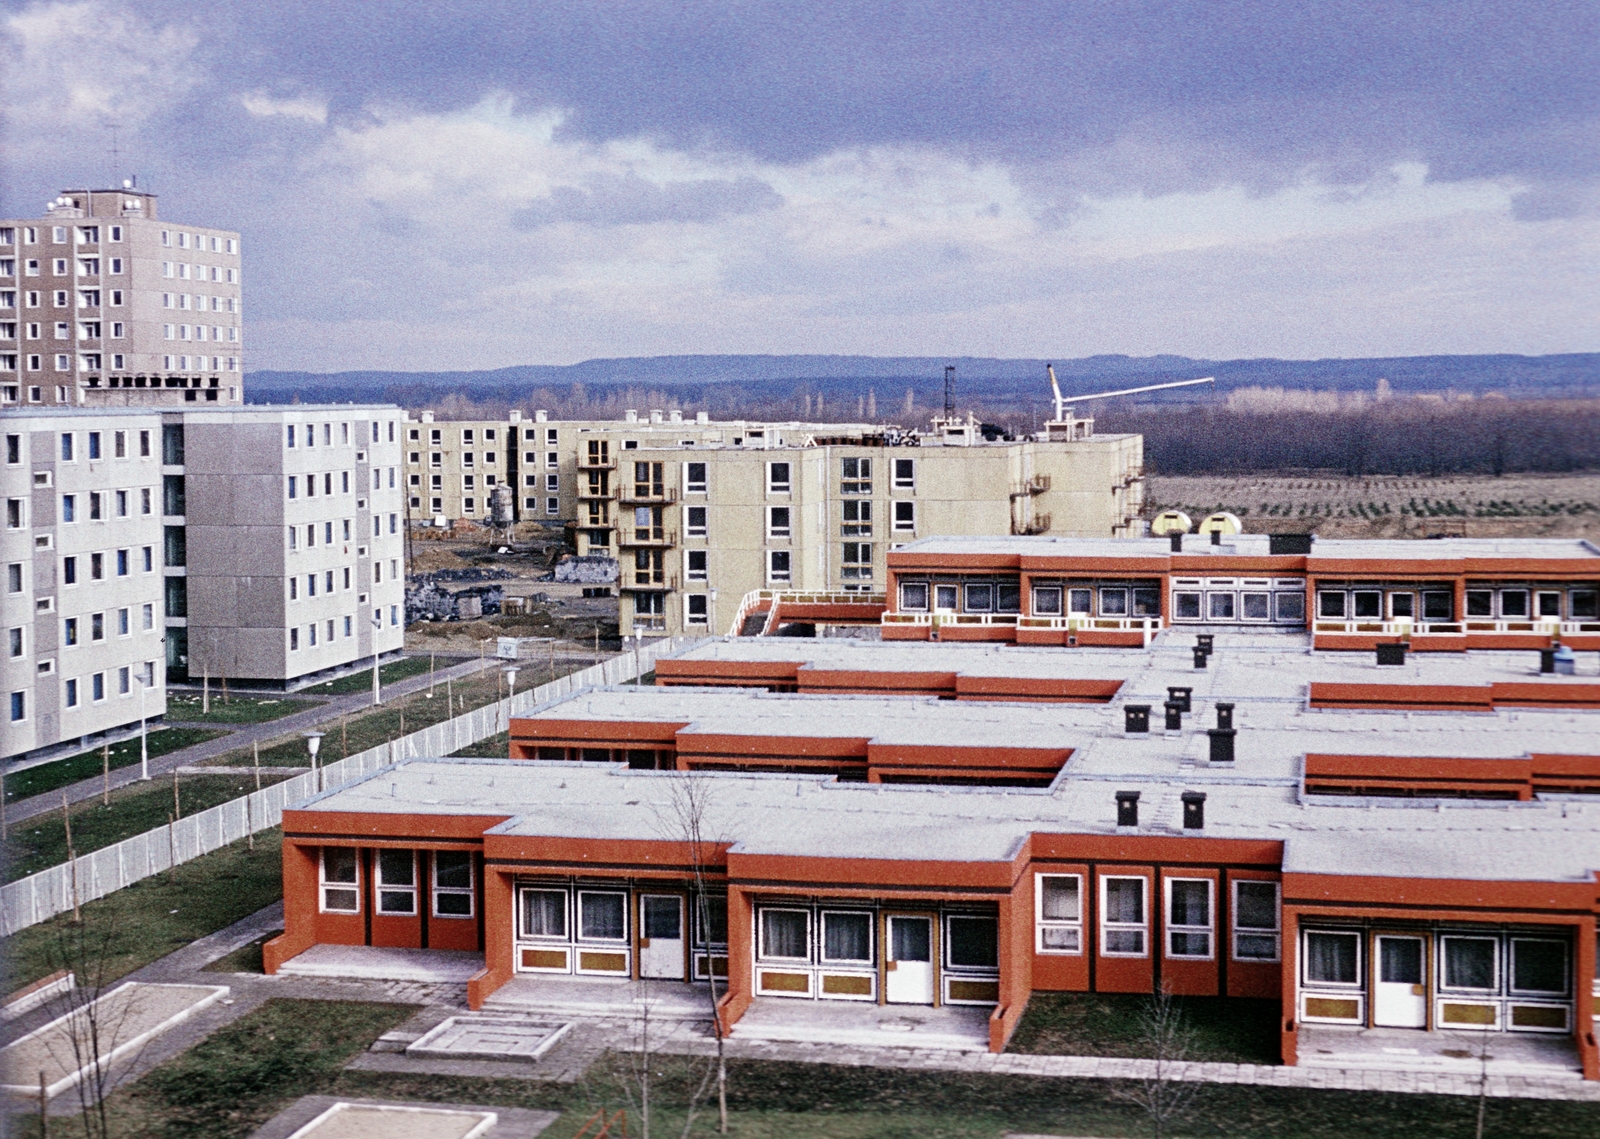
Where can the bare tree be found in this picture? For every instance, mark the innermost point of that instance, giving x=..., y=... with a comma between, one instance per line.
x=688, y=818
x=1162, y=1094
x=92, y=1027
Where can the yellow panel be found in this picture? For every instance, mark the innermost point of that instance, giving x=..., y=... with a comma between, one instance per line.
x=847, y=986
x=603, y=962
x=1539, y=1016
x=1455, y=1013
x=1333, y=1008
x=786, y=982
x=988, y=991
x=719, y=965
x=544, y=959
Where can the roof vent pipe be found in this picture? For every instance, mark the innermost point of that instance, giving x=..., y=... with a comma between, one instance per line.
x=1127, y=808
x=1194, y=810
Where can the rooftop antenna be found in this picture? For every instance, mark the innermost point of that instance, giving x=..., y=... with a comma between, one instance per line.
x=949, y=391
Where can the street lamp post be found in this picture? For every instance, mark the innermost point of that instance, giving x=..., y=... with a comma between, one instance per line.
x=313, y=743
x=144, y=731
x=377, y=627
x=511, y=690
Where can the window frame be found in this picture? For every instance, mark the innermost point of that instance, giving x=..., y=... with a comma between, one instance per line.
x=565, y=936
x=1142, y=927
x=382, y=888
x=761, y=934
x=1043, y=924
x=1235, y=930
x=1172, y=929
x=353, y=886
x=867, y=962
x=469, y=891
x=1356, y=986
x=580, y=937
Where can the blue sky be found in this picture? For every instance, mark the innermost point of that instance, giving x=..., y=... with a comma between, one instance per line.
x=443, y=186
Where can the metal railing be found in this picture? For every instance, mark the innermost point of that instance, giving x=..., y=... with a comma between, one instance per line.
x=41, y=896
x=1546, y=627
x=771, y=598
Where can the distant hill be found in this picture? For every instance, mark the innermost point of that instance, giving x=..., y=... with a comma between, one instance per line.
x=980, y=381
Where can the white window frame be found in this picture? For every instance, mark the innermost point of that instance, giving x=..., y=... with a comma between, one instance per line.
x=382, y=888
x=772, y=572
x=1141, y=927
x=689, y=572
x=904, y=525
x=785, y=487
x=1276, y=932
x=761, y=935
x=324, y=884
x=562, y=938
x=1172, y=928
x=470, y=891
x=696, y=487
x=577, y=925
x=869, y=961
x=773, y=530
x=1042, y=924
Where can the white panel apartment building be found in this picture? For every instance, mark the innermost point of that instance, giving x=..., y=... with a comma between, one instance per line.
x=104, y=304
x=261, y=544
x=82, y=551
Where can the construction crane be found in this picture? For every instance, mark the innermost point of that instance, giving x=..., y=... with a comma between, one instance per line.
x=1064, y=410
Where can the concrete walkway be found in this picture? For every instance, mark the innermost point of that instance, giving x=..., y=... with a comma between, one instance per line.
x=243, y=736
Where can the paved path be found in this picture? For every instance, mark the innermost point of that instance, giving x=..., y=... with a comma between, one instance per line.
x=244, y=736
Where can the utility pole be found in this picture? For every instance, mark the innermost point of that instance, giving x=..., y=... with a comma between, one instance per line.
x=949, y=390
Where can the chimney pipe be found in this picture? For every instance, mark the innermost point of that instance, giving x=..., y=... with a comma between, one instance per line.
x=1216, y=537
x=1194, y=810
x=1180, y=695
x=1136, y=717
x=1176, y=541
x=1174, y=716
x=1127, y=808
x=1207, y=641
x=1224, y=715
x=1200, y=657
x=1221, y=744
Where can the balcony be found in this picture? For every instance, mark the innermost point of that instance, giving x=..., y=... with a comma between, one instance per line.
x=646, y=494
x=642, y=581
x=647, y=536
x=596, y=463
x=604, y=490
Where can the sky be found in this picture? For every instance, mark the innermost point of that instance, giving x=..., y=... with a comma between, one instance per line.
x=444, y=186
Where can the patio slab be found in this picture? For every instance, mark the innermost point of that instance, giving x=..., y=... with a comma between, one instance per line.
x=600, y=997
x=958, y=1028
x=375, y=963
x=330, y=1117
x=1459, y=1053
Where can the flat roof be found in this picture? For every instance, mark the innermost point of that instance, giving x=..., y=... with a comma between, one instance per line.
x=1254, y=545
x=1264, y=675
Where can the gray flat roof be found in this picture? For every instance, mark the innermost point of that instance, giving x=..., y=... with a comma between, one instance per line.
x=1264, y=675
x=1255, y=545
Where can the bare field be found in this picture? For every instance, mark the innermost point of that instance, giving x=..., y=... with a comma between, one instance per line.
x=1399, y=506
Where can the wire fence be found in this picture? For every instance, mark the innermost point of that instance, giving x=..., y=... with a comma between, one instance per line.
x=41, y=896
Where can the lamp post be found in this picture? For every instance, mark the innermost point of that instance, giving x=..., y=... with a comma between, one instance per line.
x=144, y=727
x=511, y=690
x=313, y=743
x=377, y=627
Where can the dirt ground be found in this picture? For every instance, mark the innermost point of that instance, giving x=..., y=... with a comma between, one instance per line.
x=1386, y=506
x=564, y=612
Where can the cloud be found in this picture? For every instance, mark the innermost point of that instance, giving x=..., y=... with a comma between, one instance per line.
x=310, y=110
x=631, y=200
x=85, y=65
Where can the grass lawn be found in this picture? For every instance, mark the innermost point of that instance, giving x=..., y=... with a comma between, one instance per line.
x=184, y=707
x=41, y=841
x=1223, y=1030
x=152, y=918
x=60, y=773
x=245, y=959
x=362, y=681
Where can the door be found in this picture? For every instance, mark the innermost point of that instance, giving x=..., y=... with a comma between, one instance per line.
x=1400, y=996
x=661, y=954
x=908, y=960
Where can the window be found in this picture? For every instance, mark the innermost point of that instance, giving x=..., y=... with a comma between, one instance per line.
x=69, y=571
x=696, y=609
x=14, y=641
x=914, y=596
x=847, y=938
x=552, y=506
x=14, y=577
x=695, y=521
x=905, y=471
x=94, y=444
x=397, y=879
x=544, y=913
x=1438, y=605
x=980, y=597
x=694, y=478
x=1332, y=958
x=122, y=504
x=778, y=565
x=1113, y=602
x=1059, y=913
x=971, y=942
x=95, y=513
x=69, y=508
x=294, y=486
x=1255, y=921
x=778, y=478
x=66, y=448
x=1513, y=603
x=1471, y=963
x=340, y=886
x=857, y=560
x=19, y=706
x=72, y=694
x=122, y=563
x=905, y=516
x=1188, y=917
x=857, y=476
x=15, y=515
x=97, y=687
x=777, y=522
x=1122, y=922
x=602, y=917
x=1480, y=603
x=1538, y=966
x=452, y=884
x=148, y=617
x=1367, y=604
x=857, y=518
x=97, y=627
x=1330, y=603
x=786, y=934
x=695, y=565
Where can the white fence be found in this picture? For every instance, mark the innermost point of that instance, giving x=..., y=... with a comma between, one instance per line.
x=37, y=897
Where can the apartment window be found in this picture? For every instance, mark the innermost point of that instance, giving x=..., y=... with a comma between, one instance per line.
x=1123, y=921
x=294, y=637
x=1059, y=913
x=696, y=610
x=857, y=518
x=979, y=597
x=14, y=637
x=695, y=521
x=349, y=623
x=786, y=934
x=144, y=500
x=1189, y=917
x=551, y=482
x=397, y=882
x=19, y=707
x=123, y=627
x=778, y=565
x=94, y=444
x=69, y=570
x=97, y=687
x=452, y=884
x=72, y=694
x=1438, y=605
x=15, y=515
x=777, y=522
x=905, y=516
x=695, y=565
x=294, y=486
x=778, y=478
x=67, y=447
x=857, y=560
x=857, y=477
x=341, y=893
x=94, y=506
x=694, y=478
x=97, y=627
x=294, y=589
x=543, y=913
x=905, y=473
x=1255, y=921
x=13, y=449
x=552, y=459
x=122, y=563
x=147, y=617
x=14, y=577
x=122, y=504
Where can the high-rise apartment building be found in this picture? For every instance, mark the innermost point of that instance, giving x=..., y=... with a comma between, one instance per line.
x=261, y=544
x=104, y=304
